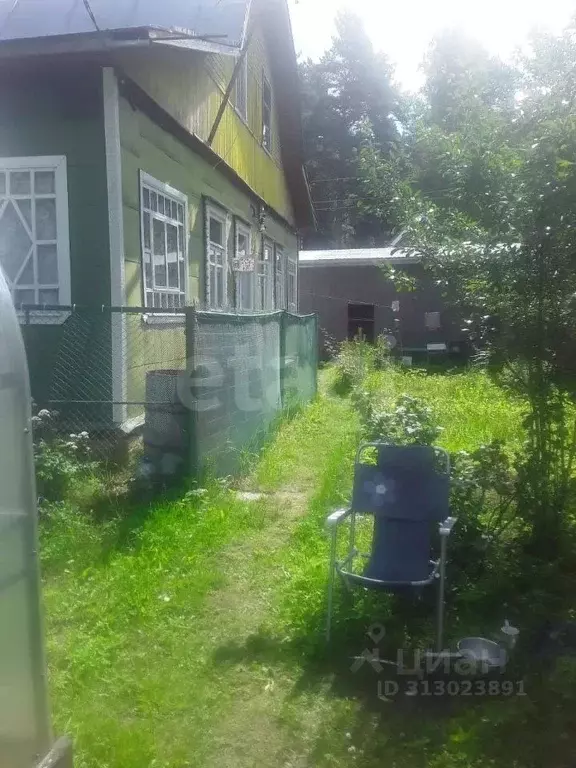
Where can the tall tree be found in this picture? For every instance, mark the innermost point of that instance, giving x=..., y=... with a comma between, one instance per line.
x=349, y=89
x=490, y=202
x=463, y=79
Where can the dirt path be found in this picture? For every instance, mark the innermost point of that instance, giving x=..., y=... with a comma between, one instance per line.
x=248, y=733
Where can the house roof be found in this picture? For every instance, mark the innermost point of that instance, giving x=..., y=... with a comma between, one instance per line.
x=51, y=27
x=221, y=20
x=363, y=257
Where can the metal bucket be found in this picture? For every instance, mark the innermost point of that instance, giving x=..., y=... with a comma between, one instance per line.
x=167, y=424
x=486, y=653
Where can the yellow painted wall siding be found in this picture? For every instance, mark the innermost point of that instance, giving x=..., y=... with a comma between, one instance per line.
x=145, y=146
x=190, y=86
x=149, y=348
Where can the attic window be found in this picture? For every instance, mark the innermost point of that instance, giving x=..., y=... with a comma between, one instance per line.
x=266, y=114
x=241, y=90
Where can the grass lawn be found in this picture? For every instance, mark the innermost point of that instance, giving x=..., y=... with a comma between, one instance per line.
x=190, y=632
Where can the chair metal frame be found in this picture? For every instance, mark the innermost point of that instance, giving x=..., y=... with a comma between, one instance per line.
x=438, y=567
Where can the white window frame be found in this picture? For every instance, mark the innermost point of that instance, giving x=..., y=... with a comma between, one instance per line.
x=432, y=321
x=279, y=277
x=155, y=185
x=220, y=215
x=56, y=163
x=242, y=76
x=264, y=278
x=292, y=269
x=241, y=228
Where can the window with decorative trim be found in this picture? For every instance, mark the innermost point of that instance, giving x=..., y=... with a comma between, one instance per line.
x=264, y=276
x=240, y=94
x=34, y=236
x=163, y=221
x=280, y=278
x=243, y=267
x=216, y=257
x=292, y=283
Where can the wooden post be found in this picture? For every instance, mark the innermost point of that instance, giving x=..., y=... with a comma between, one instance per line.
x=229, y=89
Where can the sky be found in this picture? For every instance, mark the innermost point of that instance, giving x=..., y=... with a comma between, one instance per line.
x=403, y=29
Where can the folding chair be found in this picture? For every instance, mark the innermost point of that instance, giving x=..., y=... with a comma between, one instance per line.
x=406, y=489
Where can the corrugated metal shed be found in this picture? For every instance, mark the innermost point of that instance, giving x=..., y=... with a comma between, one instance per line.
x=26, y=19
x=356, y=256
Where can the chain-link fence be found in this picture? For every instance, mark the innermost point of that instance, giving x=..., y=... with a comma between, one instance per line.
x=200, y=387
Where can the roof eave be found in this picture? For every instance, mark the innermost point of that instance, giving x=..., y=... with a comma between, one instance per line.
x=340, y=262
x=105, y=41
x=285, y=72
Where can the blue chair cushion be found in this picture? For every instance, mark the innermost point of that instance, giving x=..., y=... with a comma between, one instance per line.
x=400, y=551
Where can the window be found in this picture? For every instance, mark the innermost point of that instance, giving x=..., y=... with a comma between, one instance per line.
x=266, y=115
x=280, y=278
x=34, y=238
x=432, y=321
x=163, y=215
x=241, y=89
x=292, y=284
x=264, y=289
x=361, y=322
x=216, y=258
x=244, y=268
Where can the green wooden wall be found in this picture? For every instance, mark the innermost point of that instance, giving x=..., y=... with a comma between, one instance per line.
x=52, y=109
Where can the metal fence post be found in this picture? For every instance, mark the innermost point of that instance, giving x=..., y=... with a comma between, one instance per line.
x=193, y=451
x=315, y=352
x=283, y=358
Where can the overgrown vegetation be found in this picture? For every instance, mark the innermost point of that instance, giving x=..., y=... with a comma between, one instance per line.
x=189, y=631
x=479, y=177
x=59, y=461
x=497, y=543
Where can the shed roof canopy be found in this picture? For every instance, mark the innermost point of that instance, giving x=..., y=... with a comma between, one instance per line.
x=356, y=256
x=25, y=19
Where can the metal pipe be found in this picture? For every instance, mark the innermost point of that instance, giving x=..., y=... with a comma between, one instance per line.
x=352, y=540
x=334, y=533
x=441, y=587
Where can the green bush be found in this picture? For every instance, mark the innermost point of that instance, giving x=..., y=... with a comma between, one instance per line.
x=355, y=360
x=409, y=421
x=58, y=460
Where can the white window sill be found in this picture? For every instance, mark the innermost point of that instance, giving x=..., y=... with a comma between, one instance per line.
x=158, y=318
x=42, y=317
